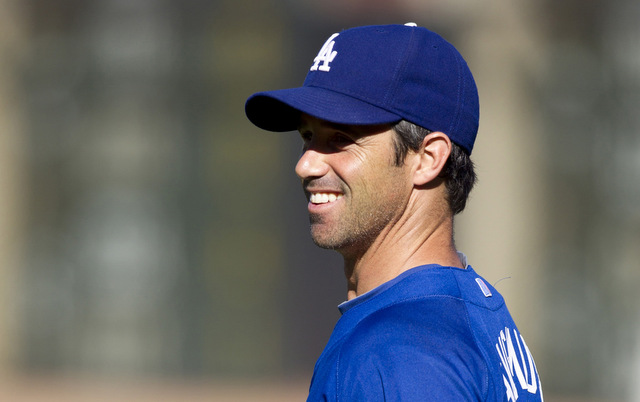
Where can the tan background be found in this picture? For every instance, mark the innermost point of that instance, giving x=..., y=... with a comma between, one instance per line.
x=153, y=244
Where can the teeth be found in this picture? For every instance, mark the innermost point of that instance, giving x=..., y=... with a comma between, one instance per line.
x=324, y=198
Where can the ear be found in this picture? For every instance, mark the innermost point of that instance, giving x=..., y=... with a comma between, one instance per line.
x=431, y=158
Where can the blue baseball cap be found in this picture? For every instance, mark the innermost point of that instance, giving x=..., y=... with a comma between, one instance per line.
x=377, y=75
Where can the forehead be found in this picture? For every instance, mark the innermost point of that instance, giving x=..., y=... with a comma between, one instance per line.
x=310, y=123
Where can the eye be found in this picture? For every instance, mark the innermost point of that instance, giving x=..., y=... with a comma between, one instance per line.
x=340, y=140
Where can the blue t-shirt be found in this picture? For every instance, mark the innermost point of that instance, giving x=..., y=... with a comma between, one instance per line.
x=433, y=333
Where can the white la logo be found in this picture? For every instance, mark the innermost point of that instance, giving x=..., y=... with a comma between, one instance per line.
x=325, y=55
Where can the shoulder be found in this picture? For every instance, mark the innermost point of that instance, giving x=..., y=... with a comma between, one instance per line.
x=414, y=348
x=416, y=322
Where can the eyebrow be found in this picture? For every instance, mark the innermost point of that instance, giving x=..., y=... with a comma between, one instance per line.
x=346, y=128
x=336, y=126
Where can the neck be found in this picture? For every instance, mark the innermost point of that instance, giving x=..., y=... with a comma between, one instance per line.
x=413, y=240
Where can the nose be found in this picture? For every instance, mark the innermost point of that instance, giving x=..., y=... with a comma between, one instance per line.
x=311, y=164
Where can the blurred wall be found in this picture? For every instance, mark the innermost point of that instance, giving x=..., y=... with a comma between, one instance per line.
x=147, y=229
x=13, y=182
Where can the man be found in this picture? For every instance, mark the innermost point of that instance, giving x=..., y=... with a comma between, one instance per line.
x=388, y=117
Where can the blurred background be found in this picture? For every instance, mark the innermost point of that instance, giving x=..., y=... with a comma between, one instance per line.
x=154, y=244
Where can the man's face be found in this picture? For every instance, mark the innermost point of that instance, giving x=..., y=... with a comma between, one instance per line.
x=354, y=189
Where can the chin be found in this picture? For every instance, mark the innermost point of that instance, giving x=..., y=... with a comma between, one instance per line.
x=329, y=241
x=324, y=243
x=325, y=240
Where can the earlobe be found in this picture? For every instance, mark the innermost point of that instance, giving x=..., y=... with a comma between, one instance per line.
x=431, y=158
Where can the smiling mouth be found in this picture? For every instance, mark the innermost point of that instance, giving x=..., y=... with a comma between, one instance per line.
x=324, y=198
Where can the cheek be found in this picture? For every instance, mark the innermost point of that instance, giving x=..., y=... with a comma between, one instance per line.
x=350, y=170
x=373, y=175
x=386, y=184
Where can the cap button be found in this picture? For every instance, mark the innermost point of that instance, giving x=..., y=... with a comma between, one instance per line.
x=411, y=24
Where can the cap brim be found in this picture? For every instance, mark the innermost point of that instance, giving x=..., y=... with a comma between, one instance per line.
x=280, y=110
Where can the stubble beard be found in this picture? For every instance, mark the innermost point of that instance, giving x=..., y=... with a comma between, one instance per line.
x=354, y=231
x=355, y=228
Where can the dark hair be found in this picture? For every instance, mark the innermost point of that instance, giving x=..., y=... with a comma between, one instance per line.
x=458, y=172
